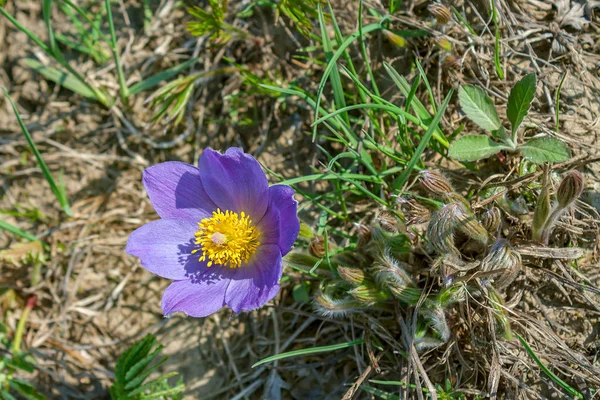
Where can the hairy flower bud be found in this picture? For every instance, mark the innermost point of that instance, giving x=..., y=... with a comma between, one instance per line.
x=392, y=274
x=570, y=189
x=491, y=219
x=502, y=257
x=316, y=247
x=396, y=40
x=436, y=183
x=470, y=226
x=452, y=62
x=368, y=294
x=443, y=43
x=353, y=276
x=440, y=12
x=414, y=212
x=436, y=319
x=440, y=231
x=364, y=235
x=387, y=221
x=330, y=307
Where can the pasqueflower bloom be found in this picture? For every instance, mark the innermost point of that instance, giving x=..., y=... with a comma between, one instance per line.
x=221, y=235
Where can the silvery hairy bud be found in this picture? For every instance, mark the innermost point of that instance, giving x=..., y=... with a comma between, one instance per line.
x=354, y=276
x=368, y=294
x=414, y=212
x=440, y=12
x=491, y=219
x=502, y=257
x=570, y=189
x=364, y=235
x=329, y=307
x=435, y=182
x=440, y=230
x=387, y=221
x=438, y=185
x=470, y=226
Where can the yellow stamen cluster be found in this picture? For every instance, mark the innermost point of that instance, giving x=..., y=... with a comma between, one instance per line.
x=227, y=239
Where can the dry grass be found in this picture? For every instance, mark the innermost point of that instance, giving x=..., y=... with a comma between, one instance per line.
x=94, y=300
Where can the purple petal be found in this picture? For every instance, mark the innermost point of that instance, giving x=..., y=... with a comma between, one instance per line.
x=196, y=298
x=176, y=192
x=235, y=182
x=165, y=248
x=257, y=282
x=281, y=198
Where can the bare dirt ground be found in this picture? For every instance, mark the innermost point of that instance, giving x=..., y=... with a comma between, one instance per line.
x=94, y=300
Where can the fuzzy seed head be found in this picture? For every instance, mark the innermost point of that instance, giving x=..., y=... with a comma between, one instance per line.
x=502, y=256
x=316, y=247
x=469, y=225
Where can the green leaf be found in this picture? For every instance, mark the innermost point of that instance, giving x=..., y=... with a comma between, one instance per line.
x=26, y=390
x=519, y=101
x=313, y=350
x=154, y=80
x=60, y=195
x=474, y=147
x=14, y=230
x=548, y=372
x=64, y=79
x=479, y=107
x=545, y=149
x=401, y=180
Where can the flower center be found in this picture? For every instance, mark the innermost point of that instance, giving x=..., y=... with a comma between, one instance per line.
x=227, y=239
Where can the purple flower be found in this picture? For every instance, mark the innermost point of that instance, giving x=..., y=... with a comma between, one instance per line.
x=221, y=236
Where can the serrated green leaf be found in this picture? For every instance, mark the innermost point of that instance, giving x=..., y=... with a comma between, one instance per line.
x=519, y=101
x=474, y=147
x=479, y=107
x=545, y=149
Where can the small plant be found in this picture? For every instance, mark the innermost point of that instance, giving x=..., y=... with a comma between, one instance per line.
x=14, y=359
x=133, y=369
x=480, y=109
x=547, y=213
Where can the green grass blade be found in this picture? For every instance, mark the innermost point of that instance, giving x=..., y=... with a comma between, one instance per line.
x=16, y=231
x=47, y=12
x=415, y=103
x=26, y=31
x=379, y=393
x=336, y=81
x=333, y=63
x=497, y=64
x=115, y=51
x=547, y=371
x=304, y=352
x=401, y=180
x=462, y=19
x=62, y=78
x=60, y=195
x=427, y=85
x=391, y=109
x=363, y=49
x=154, y=80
